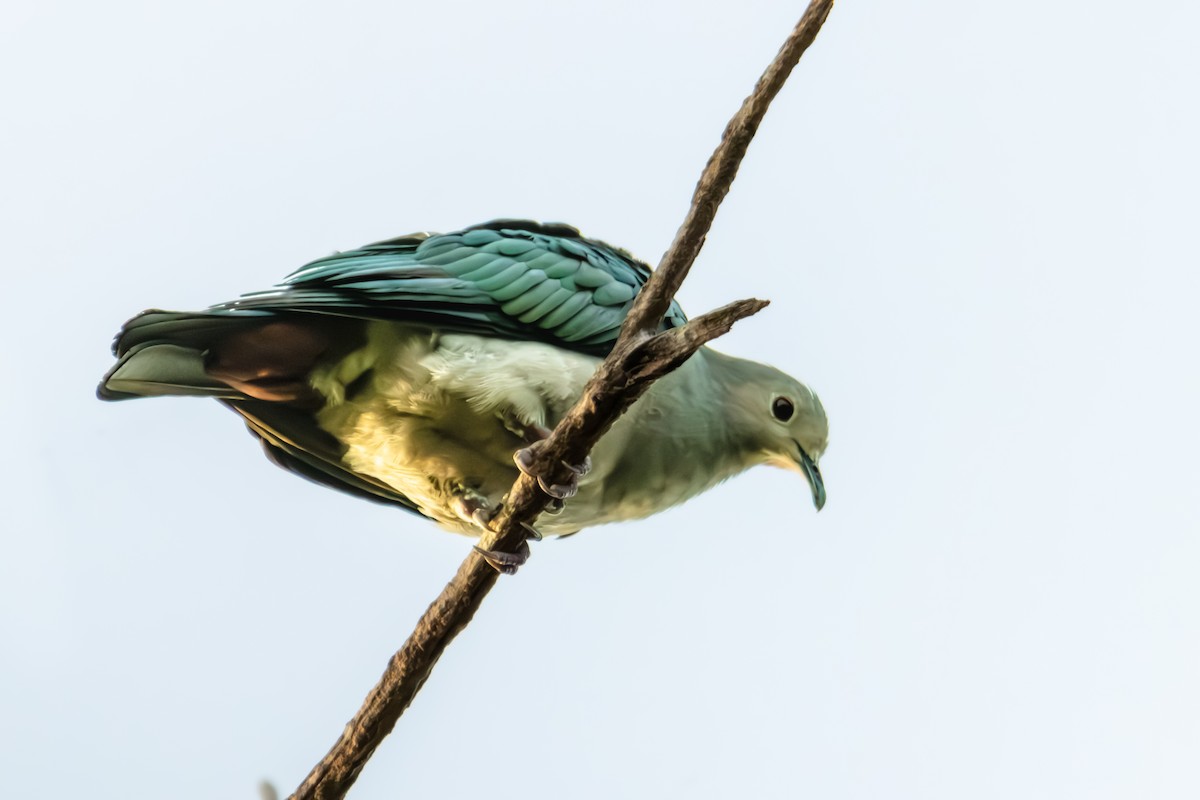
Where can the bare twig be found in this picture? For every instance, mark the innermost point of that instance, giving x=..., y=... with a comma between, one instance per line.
x=652, y=302
x=639, y=357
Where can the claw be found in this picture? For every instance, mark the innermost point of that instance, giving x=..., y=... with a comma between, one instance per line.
x=505, y=563
x=531, y=532
x=580, y=469
x=559, y=491
x=523, y=458
x=473, y=509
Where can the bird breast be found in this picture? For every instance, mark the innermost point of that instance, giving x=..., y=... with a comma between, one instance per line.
x=437, y=416
x=434, y=415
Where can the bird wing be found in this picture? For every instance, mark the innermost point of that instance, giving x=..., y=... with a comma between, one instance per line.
x=507, y=278
x=291, y=440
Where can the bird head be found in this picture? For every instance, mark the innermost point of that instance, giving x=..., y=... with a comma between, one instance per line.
x=785, y=421
x=801, y=434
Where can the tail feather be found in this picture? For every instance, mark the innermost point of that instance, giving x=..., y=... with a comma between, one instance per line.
x=159, y=369
x=257, y=364
x=162, y=353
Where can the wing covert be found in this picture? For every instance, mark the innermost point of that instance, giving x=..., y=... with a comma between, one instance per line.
x=508, y=277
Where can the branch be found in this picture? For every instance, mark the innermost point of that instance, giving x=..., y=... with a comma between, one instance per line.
x=654, y=299
x=639, y=357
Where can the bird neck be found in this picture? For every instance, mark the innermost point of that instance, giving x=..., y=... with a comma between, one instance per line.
x=678, y=440
x=695, y=419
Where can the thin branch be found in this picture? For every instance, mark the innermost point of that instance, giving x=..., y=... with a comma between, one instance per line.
x=639, y=357
x=654, y=299
x=456, y=605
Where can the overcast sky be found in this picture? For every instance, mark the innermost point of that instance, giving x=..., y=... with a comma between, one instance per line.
x=977, y=224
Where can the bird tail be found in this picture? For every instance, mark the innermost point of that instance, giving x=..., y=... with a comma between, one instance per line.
x=163, y=353
x=233, y=355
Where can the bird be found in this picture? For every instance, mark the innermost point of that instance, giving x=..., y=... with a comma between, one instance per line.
x=417, y=372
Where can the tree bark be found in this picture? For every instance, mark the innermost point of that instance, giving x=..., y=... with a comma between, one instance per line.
x=639, y=357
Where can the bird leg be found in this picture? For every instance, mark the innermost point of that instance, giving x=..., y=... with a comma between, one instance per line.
x=505, y=563
x=474, y=508
x=528, y=432
x=557, y=491
x=533, y=434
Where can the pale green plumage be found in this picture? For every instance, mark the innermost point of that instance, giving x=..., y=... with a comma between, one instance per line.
x=410, y=372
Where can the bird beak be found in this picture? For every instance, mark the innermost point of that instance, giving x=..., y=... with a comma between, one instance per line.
x=800, y=461
x=809, y=468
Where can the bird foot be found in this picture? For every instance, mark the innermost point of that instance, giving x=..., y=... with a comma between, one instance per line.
x=558, y=491
x=508, y=563
x=531, y=532
x=505, y=563
x=473, y=508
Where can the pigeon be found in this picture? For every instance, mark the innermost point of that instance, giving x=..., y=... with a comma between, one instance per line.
x=418, y=371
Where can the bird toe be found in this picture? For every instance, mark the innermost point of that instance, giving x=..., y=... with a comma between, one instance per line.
x=473, y=508
x=524, y=458
x=580, y=469
x=559, y=491
x=502, y=562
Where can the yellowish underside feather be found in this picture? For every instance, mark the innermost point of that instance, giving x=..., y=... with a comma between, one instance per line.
x=436, y=417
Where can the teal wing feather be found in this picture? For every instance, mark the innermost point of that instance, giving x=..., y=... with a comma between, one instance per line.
x=507, y=278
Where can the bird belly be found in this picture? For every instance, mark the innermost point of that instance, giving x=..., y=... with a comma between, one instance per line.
x=438, y=417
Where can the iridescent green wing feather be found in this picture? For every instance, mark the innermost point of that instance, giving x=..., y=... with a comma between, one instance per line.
x=507, y=278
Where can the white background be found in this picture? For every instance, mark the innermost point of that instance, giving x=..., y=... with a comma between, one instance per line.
x=977, y=225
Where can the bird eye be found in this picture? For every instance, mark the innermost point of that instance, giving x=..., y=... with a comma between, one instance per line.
x=782, y=408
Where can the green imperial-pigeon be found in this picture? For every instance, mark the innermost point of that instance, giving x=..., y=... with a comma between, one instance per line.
x=415, y=371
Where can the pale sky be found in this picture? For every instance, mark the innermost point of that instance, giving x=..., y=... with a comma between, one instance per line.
x=977, y=226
